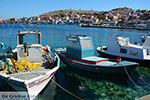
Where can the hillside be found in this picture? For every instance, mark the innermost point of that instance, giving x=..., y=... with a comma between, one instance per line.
x=121, y=10
x=67, y=11
x=70, y=11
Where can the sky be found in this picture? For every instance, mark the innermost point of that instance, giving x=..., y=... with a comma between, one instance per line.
x=30, y=8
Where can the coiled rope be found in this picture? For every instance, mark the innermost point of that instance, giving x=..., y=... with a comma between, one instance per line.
x=67, y=91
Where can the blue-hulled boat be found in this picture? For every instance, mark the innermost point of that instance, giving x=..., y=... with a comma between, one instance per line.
x=79, y=53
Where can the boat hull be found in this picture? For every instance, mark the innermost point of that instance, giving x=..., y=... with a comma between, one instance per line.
x=97, y=68
x=141, y=62
x=33, y=88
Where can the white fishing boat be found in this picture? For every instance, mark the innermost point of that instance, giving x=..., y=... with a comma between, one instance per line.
x=32, y=54
x=121, y=46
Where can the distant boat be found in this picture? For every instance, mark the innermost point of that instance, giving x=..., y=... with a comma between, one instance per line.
x=121, y=46
x=144, y=37
x=141, y=27
x=44, y=64
x=79, y=53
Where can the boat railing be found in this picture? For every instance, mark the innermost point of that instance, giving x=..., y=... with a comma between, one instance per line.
x=51, y=51
x=77, y=35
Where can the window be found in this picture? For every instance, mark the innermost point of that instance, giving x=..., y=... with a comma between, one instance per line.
x=148, y=52
x=133, y=52
x=123, y=50
x=86, y=43
x=31, y=38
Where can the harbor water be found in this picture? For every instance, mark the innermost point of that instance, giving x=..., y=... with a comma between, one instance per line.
x=86, y=85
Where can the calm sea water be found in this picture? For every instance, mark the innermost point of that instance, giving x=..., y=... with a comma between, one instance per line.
x=87, y=85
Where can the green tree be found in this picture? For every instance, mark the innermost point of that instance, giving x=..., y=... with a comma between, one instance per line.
x=100, y=16
x=69, y=16
x=55, y=15
x=62, y=15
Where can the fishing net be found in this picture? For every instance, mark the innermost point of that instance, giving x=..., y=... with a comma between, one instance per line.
x=22, y=65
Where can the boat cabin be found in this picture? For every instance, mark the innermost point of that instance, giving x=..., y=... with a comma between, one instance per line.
x=79, y=46
x=29, y=46
x=123, y=47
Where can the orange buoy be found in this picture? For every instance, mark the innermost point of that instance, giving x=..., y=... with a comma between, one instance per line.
x=44, y=48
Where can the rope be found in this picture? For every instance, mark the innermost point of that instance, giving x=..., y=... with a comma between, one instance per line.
x=67, y=91
x=47, y=33
x=9, y=33
x=4, y=35
x=130, y=77
x=35, y=26
x=22, y=26
x=12, y=27
x=142, y=77
x=132, y=80
x=51, y=34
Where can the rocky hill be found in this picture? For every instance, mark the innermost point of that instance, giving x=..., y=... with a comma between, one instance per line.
x=121, y=10
x=70, y=11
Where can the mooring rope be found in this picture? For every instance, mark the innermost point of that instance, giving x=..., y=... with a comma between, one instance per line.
x=133, y=81
x=141, y=77
x=130, y=77
x=67, y=90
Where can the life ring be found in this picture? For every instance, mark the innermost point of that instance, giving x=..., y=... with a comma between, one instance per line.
x=40, y=36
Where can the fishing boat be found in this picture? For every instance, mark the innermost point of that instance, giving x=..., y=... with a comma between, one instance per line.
x=35, y=64
x=121, y=46
x=144, y=37
x=141, y=27
x=79, y=53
